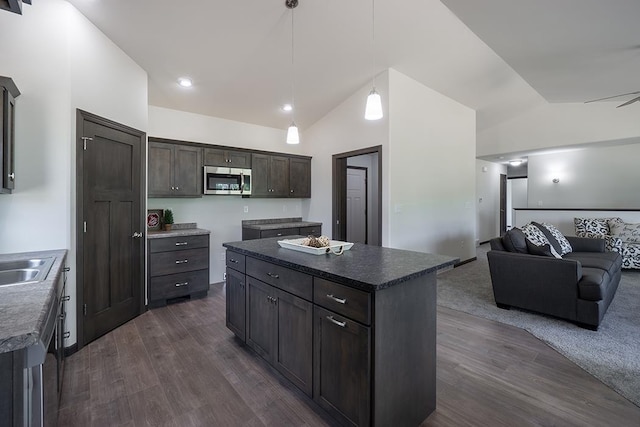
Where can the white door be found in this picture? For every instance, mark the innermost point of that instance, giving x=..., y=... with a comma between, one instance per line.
x=356, y=205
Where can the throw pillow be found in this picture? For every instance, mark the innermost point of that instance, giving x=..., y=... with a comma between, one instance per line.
x=514, y=240
x=537, y=237
x=595, y=228
x=555, y=237
x=629, y=233
x=543, y=250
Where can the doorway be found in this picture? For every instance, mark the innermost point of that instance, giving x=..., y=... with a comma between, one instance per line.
x=370, y=210
x=110, y=180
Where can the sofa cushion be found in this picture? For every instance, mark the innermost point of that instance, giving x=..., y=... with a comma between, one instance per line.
x=593, y=284
x=592, y=227
x=608, y=261
x=631, y=255
x=514, y=240
x=537, y=238
x=555, y=237
x=628, y=233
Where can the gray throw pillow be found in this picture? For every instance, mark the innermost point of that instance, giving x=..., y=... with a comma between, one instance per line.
x=514, y=240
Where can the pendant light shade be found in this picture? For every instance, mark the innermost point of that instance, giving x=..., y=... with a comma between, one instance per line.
x=292, y=134
x=373, y=109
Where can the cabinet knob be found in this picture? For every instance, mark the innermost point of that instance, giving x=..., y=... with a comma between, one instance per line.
x=292, y=191
x=177, y=188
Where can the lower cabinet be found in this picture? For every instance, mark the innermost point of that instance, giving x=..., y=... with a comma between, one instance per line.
x=236, y=302
x=342, y=366
x=279, y=328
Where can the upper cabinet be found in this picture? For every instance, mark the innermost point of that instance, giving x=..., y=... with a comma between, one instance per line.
x=8, y=93
x=270, y=175
x=175, y=170
x=300, y=177
x=229, y=158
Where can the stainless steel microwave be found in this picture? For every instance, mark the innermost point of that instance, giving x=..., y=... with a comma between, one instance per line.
x=221, y=180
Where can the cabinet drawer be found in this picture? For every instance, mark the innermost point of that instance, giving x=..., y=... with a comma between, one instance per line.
x=177, y=285
x=292, y=281
x=343, y=300
x=236, y=261
x=279, y=232
x=311, y=231
x=178, y=261
x=178, y=243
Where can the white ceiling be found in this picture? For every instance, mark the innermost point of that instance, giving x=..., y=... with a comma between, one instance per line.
x=238, y=53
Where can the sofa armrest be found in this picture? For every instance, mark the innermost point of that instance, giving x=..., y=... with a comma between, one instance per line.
x=533, y=282
x=586, y=244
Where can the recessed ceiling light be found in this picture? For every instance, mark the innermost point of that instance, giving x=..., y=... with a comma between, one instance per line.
x=516, y=162
x=287, y=107
x=185, y=82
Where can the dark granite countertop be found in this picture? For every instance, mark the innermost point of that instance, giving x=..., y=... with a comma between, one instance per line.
x=24, y=308
x=278, y=223
x=370, y=268
x=178, y=230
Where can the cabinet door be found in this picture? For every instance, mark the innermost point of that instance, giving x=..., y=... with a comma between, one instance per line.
x=188, y=171
x=261, y=318
x=294, y=355
x=260, y=175
x=279, y=176
x=341, y=367
x=300, y=177
x=215, y=157
x=236, y=303
x=160, y=169
x=8, y=156
x=239, y=159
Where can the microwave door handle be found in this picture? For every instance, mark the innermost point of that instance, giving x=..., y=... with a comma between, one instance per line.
x=241, y=182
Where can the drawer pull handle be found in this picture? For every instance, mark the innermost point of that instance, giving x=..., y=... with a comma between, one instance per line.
x=181, y=284
x=336, y=299
x=235, y=261
x=182, y=243
x=184, y=261
x=66, y=335
x=279, y=234
x=335, y=322
x=275, y=276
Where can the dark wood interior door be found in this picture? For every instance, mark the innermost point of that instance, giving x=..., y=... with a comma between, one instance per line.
x=503, y=204
x=110, y=235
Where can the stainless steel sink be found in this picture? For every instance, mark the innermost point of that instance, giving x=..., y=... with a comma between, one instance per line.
x=24, y=271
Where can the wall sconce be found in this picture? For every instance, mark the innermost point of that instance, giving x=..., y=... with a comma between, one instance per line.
x=555, y=180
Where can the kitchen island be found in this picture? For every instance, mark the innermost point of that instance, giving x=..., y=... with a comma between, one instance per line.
x=356, y=332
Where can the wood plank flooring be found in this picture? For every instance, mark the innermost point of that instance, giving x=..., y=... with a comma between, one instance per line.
x=179, y=366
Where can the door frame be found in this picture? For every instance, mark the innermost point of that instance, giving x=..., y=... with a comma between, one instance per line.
x=366, y=201
x=503, y=205
x=82, y=117
x=339, y=179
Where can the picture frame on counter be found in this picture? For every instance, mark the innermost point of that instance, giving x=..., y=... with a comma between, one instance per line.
x=154, y=219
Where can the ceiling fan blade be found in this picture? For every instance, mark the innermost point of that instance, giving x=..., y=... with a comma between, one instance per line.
x=636, y=99
x=614, y=96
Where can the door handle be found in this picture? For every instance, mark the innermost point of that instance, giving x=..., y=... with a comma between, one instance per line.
x=137, y=235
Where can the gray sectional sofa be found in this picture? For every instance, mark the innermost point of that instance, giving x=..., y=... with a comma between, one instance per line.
x=578, y=287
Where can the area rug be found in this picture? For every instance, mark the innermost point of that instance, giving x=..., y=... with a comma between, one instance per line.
x=611, y=354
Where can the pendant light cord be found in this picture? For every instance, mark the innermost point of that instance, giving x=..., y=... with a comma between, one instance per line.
x=293, y=105
x=373, y=42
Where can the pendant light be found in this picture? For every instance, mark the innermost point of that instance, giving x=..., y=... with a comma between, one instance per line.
x=373, y=109
x=292, y=133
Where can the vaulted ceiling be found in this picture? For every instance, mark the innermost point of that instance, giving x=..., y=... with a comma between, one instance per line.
x=498, y=57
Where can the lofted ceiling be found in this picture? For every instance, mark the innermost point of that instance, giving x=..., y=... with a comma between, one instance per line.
x=499, y=57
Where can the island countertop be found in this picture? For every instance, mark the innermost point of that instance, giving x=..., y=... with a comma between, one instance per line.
x=24, y=308
x=366, y=267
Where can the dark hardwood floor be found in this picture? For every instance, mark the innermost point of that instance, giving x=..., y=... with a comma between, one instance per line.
x=179, y=366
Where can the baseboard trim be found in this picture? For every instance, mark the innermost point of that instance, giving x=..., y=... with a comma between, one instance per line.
x=465, y=262
x=482, y=243
x=68, y=351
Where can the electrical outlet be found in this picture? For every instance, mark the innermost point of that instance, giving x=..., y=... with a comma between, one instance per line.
x=246, y=209
x=223, y=256
x=224, y=276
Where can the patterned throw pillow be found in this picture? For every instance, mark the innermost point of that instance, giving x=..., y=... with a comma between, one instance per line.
x=628, y=233
x=537, y=237
x=595, y=228
x=563, y=243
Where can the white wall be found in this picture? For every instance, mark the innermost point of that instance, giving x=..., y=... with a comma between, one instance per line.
x=563, y=219
x=223, y=215
x=431, y=170
x=602, y=177
x=370, y=161
x=559, y=125
x=488, y=199
x=516, y=197
x=60, y=62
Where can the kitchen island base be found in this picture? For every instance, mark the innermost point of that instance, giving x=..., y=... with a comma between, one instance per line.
x=372, y=357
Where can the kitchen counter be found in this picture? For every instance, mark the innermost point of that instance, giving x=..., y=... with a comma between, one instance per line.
x=275, y=224
x=24, y=308
x=181, y=232
x=369, y=268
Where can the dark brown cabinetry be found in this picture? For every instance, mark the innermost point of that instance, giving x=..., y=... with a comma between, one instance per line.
x=175, y=170
x=270, y=175
x=178, y=267
x=236, y=285
x=8, y=93
x=299, y=177
x=229, y=158
x=253, y=233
